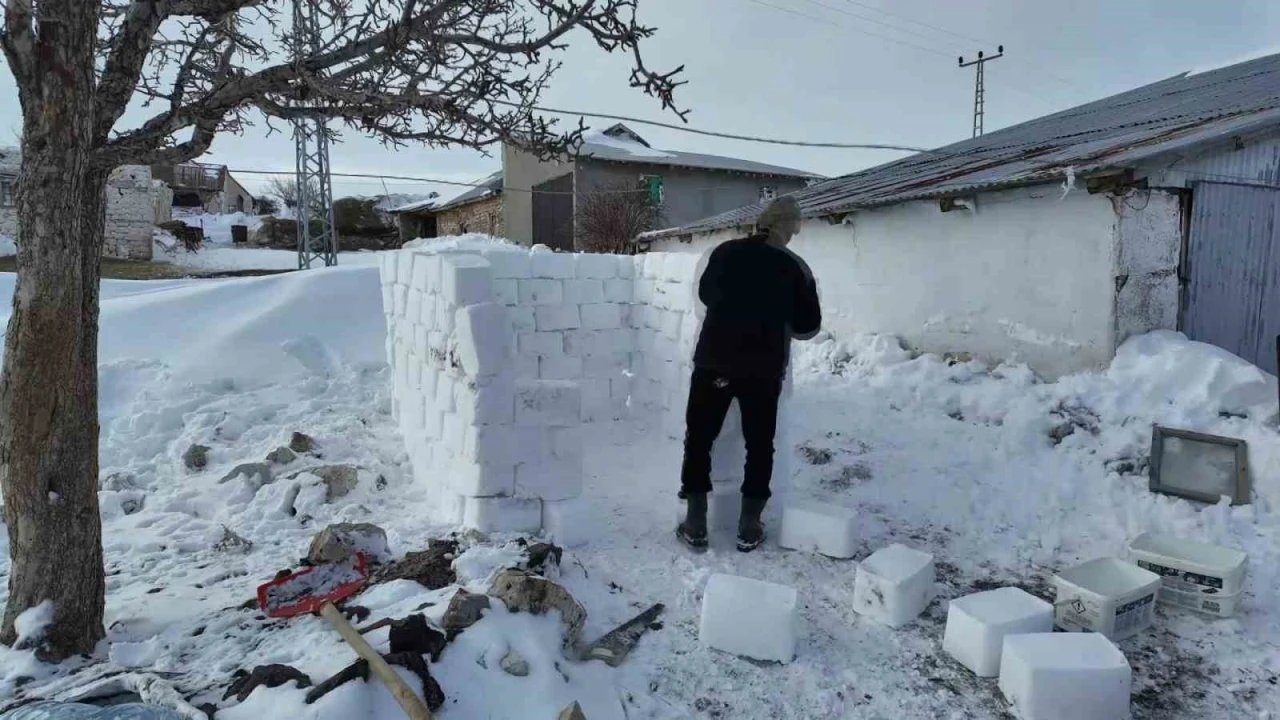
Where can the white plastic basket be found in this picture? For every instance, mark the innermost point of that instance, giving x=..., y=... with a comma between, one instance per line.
x=1106, y=596
x=1192, y=570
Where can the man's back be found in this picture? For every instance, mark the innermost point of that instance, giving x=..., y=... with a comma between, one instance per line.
x=757, y=297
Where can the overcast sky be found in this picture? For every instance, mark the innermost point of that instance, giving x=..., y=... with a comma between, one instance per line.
x=831, y=71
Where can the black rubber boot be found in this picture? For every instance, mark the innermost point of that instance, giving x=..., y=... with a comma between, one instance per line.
x=693, y=531
x=750, y=526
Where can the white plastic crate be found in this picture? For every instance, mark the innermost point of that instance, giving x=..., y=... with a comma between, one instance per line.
x=1106, y=596
x=1195, y=575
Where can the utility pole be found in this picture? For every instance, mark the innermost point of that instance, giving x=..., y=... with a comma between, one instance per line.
x=979, y=87
x=317, y=238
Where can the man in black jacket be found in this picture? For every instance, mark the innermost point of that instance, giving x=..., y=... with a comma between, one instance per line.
x=758, y=295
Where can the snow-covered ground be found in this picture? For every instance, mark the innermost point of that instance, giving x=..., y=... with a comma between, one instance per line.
x=216, y=226
x=954, y=459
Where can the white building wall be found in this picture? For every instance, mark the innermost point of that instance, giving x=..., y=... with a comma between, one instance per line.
x=130, y=214
x=1150, y=228
x=1029, y=276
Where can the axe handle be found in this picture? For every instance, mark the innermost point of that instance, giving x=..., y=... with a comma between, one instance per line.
x=412, y=705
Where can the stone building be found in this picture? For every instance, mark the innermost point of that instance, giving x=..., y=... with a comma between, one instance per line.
x=130, y=211
x=478, y=210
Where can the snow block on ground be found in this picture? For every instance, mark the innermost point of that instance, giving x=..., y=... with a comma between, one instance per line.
x=484, y=338
x=547, y=403
x=751, y=618
x=567, y=522
x=894, y=585
x=827, y=529
x=503, y=514
x=465, y=279
x=1065, y=676
x=978, y=624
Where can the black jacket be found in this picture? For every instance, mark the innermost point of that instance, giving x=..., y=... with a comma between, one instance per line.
x=758, y=296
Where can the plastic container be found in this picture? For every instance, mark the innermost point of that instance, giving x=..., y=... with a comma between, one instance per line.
x=1106, y=596
x=1190, y=570
x=1221, y=605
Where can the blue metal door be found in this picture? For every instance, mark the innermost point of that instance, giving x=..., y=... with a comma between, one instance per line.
x=1233, y=270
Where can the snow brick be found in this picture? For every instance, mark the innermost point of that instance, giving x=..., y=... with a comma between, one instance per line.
x=827, y=529
x=596, y=266
x=522, y=318
x=549, y=479
x=751, y=618
x=564, y=367
x=557, y=317
x=465, y=279
x=601, y=316
x=583, y=292
x=404, y=268
x=653, y=264
x=506, y=291
x=484, y=339
x=548, y=403
x=540, y=291
x=978, y=624
x=618, y=290
x=492, y=403
x=482, y=479
x=1065, y=676
x=894, y=585
x=567, y=522
x=542, y=344
x=503, y=514
x=513, y=263
x=553, y=265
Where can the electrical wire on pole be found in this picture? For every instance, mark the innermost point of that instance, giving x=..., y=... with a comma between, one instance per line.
x=317, y=238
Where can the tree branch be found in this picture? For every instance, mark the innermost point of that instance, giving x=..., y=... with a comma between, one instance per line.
x=129, y=50
x=18, y=42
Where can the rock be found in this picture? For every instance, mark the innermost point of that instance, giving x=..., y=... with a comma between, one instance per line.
x=232, y=543
x=301, y=443
x=258, y=474
x=282, y=456
x=271, y=676
x=196, y=457
x=338, y=543
x=522, y=591
x=513, y=663
x=339, y=480
x=541, y=555
x=414, y=634
x=573, y=712
x=132, y=504
x=432, y=568
x=465, y=610
x=118, y=481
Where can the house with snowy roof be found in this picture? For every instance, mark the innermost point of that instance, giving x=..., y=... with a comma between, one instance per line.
x=476, y=209
x=541, y=197
x=130, y=208
x=1055, y=240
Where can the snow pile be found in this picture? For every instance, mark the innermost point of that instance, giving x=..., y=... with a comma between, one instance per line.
x=7, y=246
x=470, y=242
x=31, y=624
x=217, y=226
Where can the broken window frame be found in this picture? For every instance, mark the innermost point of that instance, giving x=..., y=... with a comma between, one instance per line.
x=1243, y=487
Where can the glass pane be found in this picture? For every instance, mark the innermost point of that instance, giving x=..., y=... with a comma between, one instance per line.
x=1198, y=467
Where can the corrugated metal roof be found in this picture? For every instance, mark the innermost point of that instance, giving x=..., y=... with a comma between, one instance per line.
x=484, y=187
x=1172, y=115
x=621, y=144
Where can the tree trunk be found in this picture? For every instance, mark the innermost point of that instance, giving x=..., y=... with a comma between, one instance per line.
x=49, y=386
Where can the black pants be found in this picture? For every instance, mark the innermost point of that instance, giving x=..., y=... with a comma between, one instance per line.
x=709, y=397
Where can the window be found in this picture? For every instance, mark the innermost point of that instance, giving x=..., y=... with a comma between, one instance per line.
x=653, y=183
x=767, y=193
x=8, y=192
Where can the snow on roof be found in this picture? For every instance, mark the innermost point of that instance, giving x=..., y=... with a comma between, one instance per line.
x=1173, y=115
x=621, y=144
x=484, y=187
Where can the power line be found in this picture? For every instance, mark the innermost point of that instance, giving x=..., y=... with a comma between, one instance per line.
x=456, y=183
x=864, y=18
x=828, y=21
x=961, y=36
x=712, y=133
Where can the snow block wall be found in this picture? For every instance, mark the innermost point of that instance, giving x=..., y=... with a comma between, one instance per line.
x=501, y=354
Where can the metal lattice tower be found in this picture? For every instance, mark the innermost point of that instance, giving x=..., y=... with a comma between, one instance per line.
x=980, y=88
x=317, y=238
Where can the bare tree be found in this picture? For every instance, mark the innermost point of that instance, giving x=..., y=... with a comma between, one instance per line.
x=612, y=215
x=286, y=191
x=440, y=72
